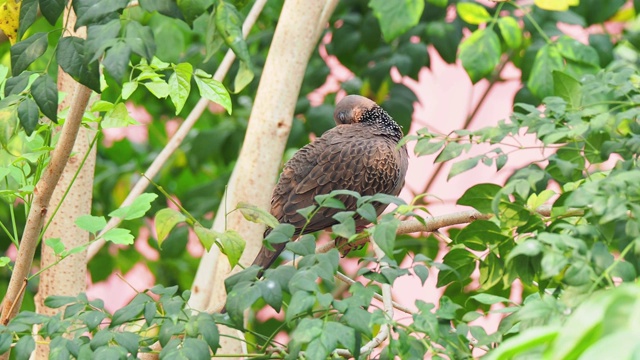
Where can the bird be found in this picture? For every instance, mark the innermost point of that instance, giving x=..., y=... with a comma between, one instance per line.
x=360, y=153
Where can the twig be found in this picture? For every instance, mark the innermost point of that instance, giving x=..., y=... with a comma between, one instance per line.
x=494, y=79
x=42, y=196
x=180, y=134
x=348, y=280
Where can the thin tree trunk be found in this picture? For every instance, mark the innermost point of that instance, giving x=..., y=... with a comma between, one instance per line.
x=68, y=278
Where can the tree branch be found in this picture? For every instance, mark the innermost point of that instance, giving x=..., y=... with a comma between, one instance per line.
x=39, y=207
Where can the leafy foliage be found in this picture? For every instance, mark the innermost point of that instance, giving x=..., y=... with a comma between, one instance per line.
x=565, y=226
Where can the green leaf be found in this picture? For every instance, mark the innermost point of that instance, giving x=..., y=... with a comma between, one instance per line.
x=116, y=60
x=461, y=264
x=426, y=146
x=473, y=13
x=127, y=313
x=450, y=151
x=568, y=88
x=192, y=9
x=117, y=117
x=511, y=32
x=92, y=224
x=137, y=209
x=480, y=54
x=27, y=51
x=526, y=341
x=271, y=293
x=24, y=347
x=479, y=234
x=396, y=17
x=164, y=7
x=384, y=234
x=306, y=245
x=228, y=22
x=280, y=234
x=445, y=37
x=4, y=261
x=206, y=236
x=102, y=36
x=129, y=341
x=92, y=11
x=422, y=272
x=119, y=236
x=244, y=76
x=213, y=90
x=195, y=349
x=301, y=302
x=29, y=115
x=257, y=215
x=528, y=248
x=55, y=244
x=242, y=296
x=140, y=39
x=74, y=59
x=165, y=220
x=547, y=60
x=57, y=301
x=462, y=166
x=158, y=88
x=480, y=197
x=209, y=331
x=52, y=9
x=180, y=85
x=128, y=88
x=232, y=245
x=489, y=299
x=28, y=15
x=45, y=94
x=8, y=123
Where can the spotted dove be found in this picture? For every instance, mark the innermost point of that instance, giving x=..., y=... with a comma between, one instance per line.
x=359, y=154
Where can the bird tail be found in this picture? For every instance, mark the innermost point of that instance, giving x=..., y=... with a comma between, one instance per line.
x=266, y=257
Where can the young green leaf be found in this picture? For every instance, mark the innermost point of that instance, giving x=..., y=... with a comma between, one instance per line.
x=206, y=236
x=510, y=31
x=232, y=245
x=137, y=209
x=92, y=224
x=119, y=236
x=480, y=54
x=462, y=166
x=165, y=220
x=55, y=244
x=473, y=13
x=257, y=215
x=568, y=88
x=180, y=85
x=212, y=90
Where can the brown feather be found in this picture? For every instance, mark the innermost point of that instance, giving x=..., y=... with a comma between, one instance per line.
x=359, y=154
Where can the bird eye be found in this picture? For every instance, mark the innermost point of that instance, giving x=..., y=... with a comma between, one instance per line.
x=342, y=117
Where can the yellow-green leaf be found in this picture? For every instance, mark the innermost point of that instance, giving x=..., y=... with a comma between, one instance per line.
x=473, y=13
x=165, y=221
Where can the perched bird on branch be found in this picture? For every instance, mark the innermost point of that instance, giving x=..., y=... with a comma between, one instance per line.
x=359, y=154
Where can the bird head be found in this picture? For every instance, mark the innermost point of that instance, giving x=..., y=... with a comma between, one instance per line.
x=350, y=109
